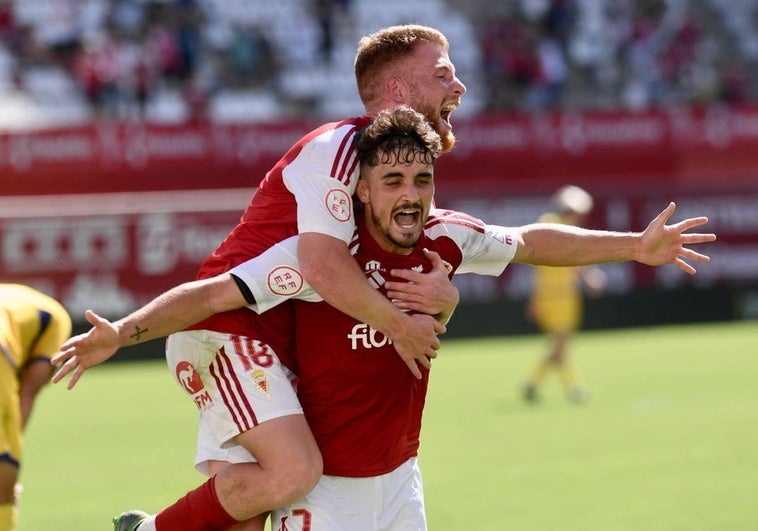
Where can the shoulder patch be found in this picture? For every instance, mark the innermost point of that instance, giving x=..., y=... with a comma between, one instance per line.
x=339, y=204
x=285, y=281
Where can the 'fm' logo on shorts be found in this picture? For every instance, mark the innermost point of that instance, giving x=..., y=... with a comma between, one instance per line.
x=190, y=380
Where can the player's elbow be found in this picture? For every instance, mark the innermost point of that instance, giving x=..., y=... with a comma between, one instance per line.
x=221, y=294
x=317, y=274
x=299, y=478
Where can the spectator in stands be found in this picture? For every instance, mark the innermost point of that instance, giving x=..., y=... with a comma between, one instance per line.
x=552, y=74
x=165, y=47
x=97, y=70
x=535, y=54
x=143, y=79
x=510, y=61
x=7, y=23
x=331, y=17
x=252, y=57
x=734, y=87
x=190, y=19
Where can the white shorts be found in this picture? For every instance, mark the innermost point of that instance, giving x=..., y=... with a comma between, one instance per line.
x=391, y=502
x=236, y=383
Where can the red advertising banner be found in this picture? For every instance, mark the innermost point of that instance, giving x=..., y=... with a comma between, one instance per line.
x=679, y=149
x=108, y=216
x=119, y=254
x=121, y=157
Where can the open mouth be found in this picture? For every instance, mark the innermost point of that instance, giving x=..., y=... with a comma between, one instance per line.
x=446, y=111
x=407, y=218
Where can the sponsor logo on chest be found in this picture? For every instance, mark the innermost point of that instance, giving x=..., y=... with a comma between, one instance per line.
x=363, y=336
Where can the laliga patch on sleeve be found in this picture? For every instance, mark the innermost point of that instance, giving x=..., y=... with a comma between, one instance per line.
x=339, y=204
x=285, y=281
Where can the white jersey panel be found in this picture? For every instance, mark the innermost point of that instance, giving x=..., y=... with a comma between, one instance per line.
x=274, y=276
x=322, y=178
x=485, y=249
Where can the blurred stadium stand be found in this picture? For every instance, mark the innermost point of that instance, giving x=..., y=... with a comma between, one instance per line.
x=117, y=116
x=71, y=60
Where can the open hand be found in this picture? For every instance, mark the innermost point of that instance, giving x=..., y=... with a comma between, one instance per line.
x=86, y=350
x=664, y=244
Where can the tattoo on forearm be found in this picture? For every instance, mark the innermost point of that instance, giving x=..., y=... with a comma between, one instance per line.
x=138, y=331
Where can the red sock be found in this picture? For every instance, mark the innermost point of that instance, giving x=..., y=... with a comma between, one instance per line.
x=198, y=509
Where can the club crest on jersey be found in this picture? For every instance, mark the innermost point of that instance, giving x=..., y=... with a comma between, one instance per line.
x=373, y=272
x=190, y=380
x=285, y=281
x=261, y=382
x=339, y=204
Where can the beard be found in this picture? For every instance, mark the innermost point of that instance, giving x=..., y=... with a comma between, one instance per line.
x=448, y=141
x=443, y=128
x=405, y=241
x=432, y=115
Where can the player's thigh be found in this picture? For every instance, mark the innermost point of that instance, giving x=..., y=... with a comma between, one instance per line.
x=282, y=441
x=283, y=447
x=237, y=383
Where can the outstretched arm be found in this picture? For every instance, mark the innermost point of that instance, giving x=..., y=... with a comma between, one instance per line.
x=564, y=245
x=170, y=312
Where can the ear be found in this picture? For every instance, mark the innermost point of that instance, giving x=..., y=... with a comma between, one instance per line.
x=361, y=190
x=396, y=89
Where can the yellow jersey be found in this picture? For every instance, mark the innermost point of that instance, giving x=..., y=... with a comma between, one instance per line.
x=32, y=325
x=556, y=298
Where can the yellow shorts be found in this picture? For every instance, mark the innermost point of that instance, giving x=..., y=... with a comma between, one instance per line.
x=558, y=315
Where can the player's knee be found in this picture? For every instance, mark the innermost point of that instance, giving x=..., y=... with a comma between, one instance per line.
x=7, y=495
x=300, y=475
x=312, y=469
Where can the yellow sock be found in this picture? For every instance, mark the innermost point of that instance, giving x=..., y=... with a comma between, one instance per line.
x=570, y=374
x=540, y=373
x=7, y=517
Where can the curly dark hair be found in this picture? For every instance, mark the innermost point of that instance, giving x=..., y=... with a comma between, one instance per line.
x=398, y=136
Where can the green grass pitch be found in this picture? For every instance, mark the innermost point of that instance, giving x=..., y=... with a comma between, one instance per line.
x=668, y=441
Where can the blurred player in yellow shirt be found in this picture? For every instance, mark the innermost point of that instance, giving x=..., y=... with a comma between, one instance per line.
x=33, y=326
x=556, y=304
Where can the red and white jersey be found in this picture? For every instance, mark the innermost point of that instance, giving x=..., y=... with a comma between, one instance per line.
x=361, y=401
x=309, y=190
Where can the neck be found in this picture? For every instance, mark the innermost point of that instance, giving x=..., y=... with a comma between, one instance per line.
x=372, y=109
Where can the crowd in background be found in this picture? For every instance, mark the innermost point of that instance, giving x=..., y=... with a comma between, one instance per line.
x=119, y=57
x=617, y=54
